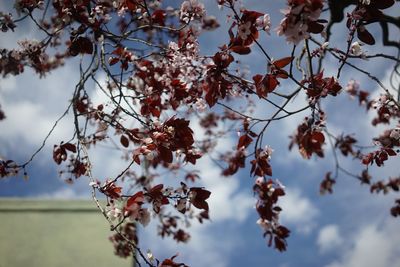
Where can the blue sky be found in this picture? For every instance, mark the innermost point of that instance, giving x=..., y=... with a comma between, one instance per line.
x=349, y=228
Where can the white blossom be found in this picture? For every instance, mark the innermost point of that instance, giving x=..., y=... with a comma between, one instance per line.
x=356, y=49
x=114, y=211
x=192, y=9
x=264, y=23
x=294, y=33
x=395, y=133
x=268, y=151
x=352, y=86
x=244, y=30
x=200, y=105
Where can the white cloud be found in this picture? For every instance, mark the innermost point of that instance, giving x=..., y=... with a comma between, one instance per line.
x=329, y=238
x=65, y=193
x=28, y=121
x=8, y=85
x=226, y=201
x=203, y=249
x=373, y=246
x=298, y=211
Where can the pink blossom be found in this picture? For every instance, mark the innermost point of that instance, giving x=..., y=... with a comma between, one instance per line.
x=114, y=211
x=356, y=50
x=200, y=105
x=352, y=87
x=264, y=23
x=191, y=10
x=297, y=18
x=395, y=133
x=244, y=30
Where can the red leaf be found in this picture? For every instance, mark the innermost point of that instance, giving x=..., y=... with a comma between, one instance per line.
x=279, y=244
x=391, y=152
x=70, y=147
x=241, y=50
x=383, y=4
x=244, y=141
x=365, y=36
x=156, y=188
x=271, y=82
x=135, y=156
x=81, y=45
x=165, y=154
x=251, y=16
x=158, y=17
x=113, y=60
x=112, y=191
x=318, y=137
x=119, y=51
x=211, y=97
x=367, y=159
x=200, y=196
x=124, y=141
x=283, y=62
x=314, y=27
x=136, y=198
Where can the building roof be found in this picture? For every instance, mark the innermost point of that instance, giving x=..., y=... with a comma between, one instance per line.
x=47, y=233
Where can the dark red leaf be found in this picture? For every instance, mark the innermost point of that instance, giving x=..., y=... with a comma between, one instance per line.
x=158, y=17
x=81, y=45
x=279, y=244
x=365, y=36
x=156, y=188
x=241, y=50
x=199, y=197
x=315, y=27
x=165, y=154
x=367, y=159
x=244, y=141
x=250, y=15
x=136, y=198
x=270, y=83
x=318, y=137
x=70, y=147
x=124, y=141
x=283, y=62
x=382, y=4
x=113, y=60
x=390, y=151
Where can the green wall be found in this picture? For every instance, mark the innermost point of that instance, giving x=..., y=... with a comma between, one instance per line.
x=49, y=233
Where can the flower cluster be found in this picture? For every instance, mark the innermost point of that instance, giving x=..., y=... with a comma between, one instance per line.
x=6, y=22
x=31, y=53
x=386, y=109
x=309, y=137
x=301, y=19
x=124, y=242
x=268, y=192
x=319, y=86
x=192, y=10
